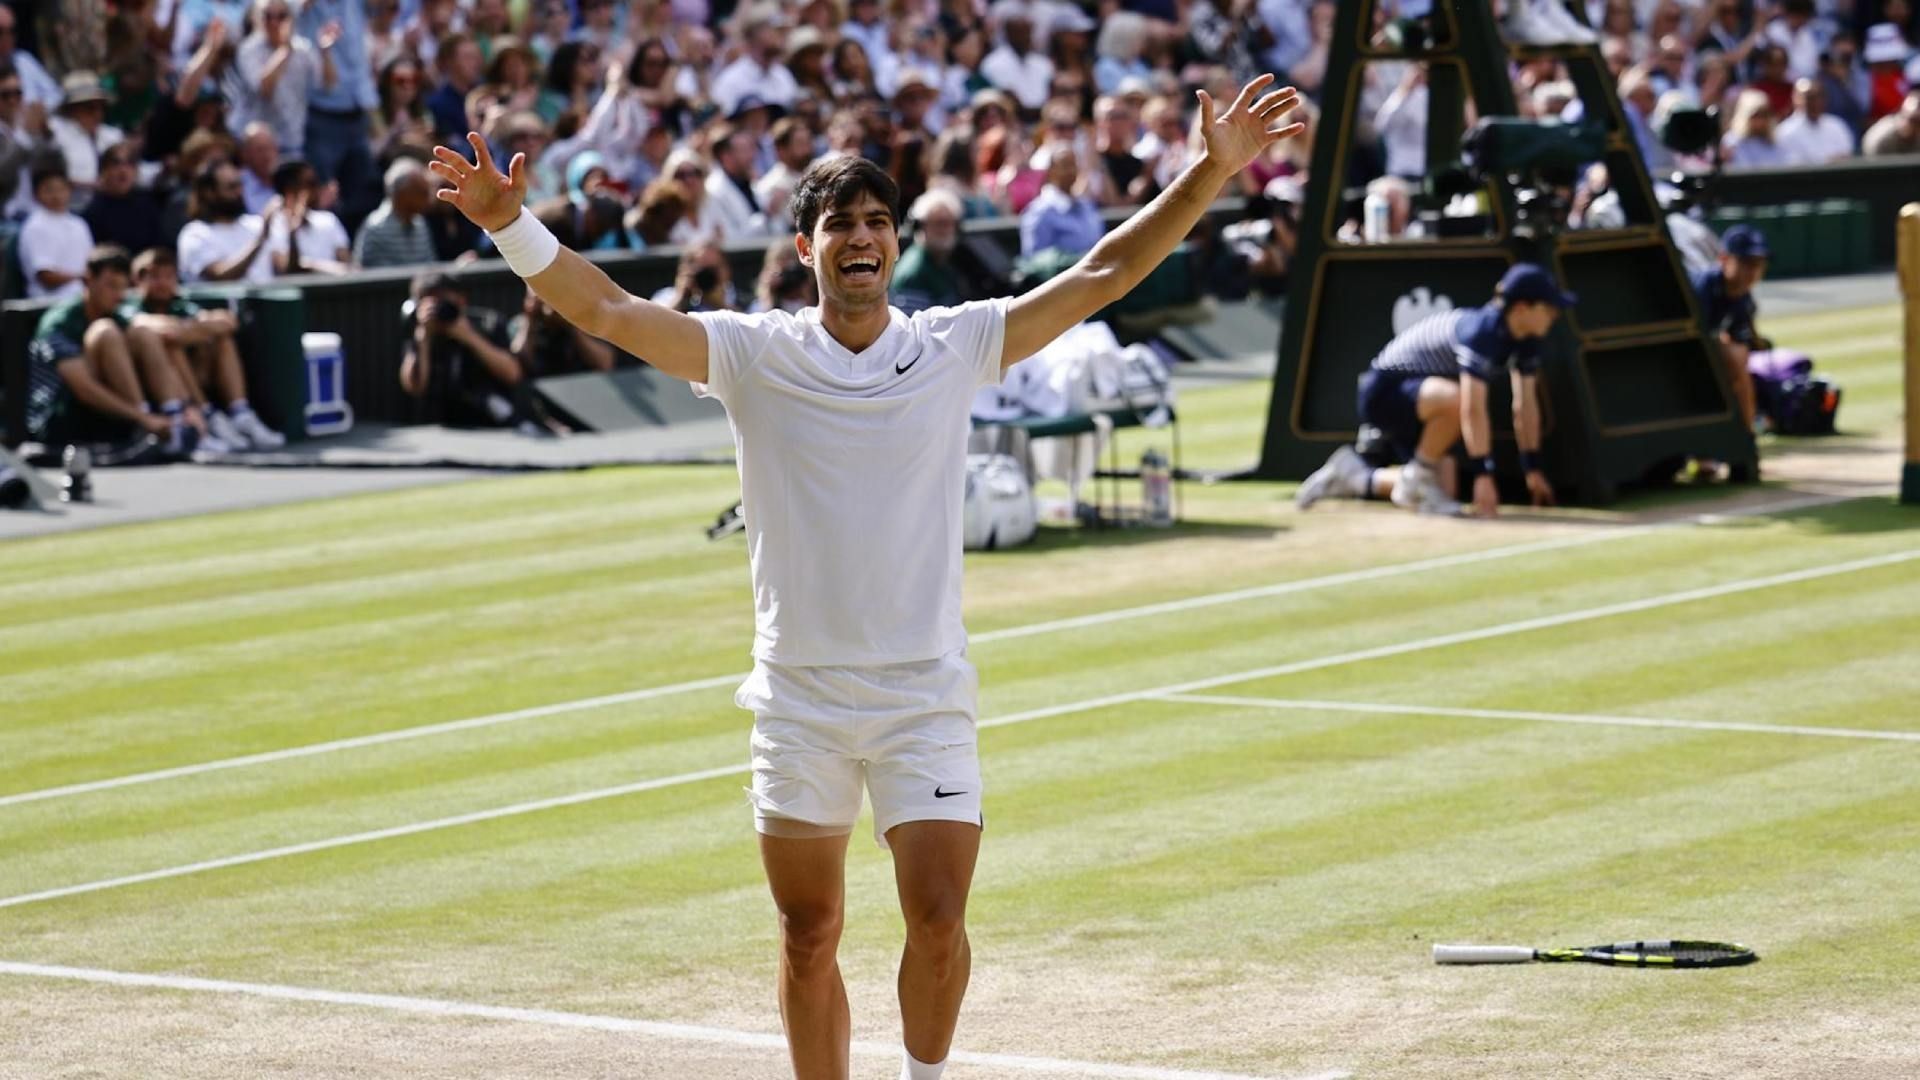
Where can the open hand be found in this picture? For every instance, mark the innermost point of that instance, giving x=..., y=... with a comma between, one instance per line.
x=1486, y=497
x=1251, y=124
x=488, y=198
x=329, y=35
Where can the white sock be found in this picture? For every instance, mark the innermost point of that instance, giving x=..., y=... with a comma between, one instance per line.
x=912, y=1068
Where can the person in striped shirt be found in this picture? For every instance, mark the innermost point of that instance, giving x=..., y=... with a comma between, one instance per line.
x=1427, y=390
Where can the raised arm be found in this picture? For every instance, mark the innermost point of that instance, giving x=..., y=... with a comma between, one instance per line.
x=1124, y=257
x=581, y=292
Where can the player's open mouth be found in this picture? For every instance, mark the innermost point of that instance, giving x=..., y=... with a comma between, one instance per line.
x=861, y=269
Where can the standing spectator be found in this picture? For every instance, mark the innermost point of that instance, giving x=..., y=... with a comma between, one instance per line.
x=386, y=41
x=1750, y=143
x=196, y=103
x=1014, y=66
x=1846, y=86
x=1796, y=33
x=1886, y=51
x=1122, y=41
x=1898, y=133
x=1813, y=136
x=461, y=67
x=18, y=140
x=617, y=124
x=54, y=241
x=121, y=214
x=866, y=25
x=758, y=72
x=36, y=86
x=1057, y=219
x=200, y=348
x=395, y=233
x=573, y=81
x=1402, y=125
x=223, y=242
x=547, y=28
x=319, y=242
x=259, y=156
x=277, y=72
x=793, y=152
x=81, y=130
x=401, y=121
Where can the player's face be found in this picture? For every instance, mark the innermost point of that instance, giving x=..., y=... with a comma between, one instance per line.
x=1532, y=320
x=852, y=252
x=107, y=289
x=1742, y=274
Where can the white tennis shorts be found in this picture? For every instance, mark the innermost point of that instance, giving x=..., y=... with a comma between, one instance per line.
x=903, y=731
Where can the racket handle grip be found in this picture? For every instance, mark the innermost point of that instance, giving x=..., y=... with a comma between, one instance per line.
x=1481, y=954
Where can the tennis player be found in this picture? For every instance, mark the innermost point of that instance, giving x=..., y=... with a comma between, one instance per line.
x=1427, y=391
x=850, y=424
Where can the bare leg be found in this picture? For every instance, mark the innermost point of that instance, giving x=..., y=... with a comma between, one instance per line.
x=110, y=363
x=228, y=375
x=1735, y=356
x=933, y=867
x=158, y=372
x=807, y=877
x=188, y=364
x=1439, y=409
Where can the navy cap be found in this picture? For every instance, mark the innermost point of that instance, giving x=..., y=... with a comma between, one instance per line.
x=1530, y=281
x=1745, y=242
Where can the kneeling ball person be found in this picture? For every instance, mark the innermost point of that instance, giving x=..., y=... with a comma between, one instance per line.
x=1428, y=389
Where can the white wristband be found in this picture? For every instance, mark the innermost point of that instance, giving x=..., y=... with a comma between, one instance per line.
x=528, y=246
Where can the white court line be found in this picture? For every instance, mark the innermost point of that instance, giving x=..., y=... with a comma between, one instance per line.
x=1380, y=708
x=650, y=1028
x=1441, y=641
x=1052, y=626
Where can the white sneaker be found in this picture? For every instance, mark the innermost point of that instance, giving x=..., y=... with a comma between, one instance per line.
x=1344, y=476
x=256, y=432
x=221, y=428
x=1418, y=489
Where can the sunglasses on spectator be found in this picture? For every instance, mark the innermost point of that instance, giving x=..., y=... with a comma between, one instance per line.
x=277, y=16
x=689, y=174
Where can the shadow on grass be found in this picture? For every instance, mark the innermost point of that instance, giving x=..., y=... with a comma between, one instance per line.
x=1072, y=538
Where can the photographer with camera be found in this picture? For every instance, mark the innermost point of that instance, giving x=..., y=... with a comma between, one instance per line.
x=1266, y=242
x=546, y=344
x=703, y=282
x=457, y=357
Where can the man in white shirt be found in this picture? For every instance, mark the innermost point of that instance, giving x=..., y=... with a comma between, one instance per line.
x=223, y=242
x=38, y=87
x=759, y=72
x=793, y=152
x=319, y=242
x=54, y=241
x=81, y=130
x=850, y=425
x=1014, y=66
x=1812, y=135
x=730, y=198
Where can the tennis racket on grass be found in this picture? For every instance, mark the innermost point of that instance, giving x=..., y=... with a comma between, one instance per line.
x=1664, y=954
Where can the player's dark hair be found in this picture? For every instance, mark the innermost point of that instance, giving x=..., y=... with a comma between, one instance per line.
x=840, y=181
x=156, y=256
x=106, y=258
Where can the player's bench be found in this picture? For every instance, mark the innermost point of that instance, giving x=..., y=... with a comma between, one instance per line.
x=1108, y=505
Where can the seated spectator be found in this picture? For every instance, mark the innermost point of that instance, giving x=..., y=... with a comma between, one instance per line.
x=1122, y=41
x=1749, y=144
x=697, y=223
x=1116, y=130
x=1770, y=78
x=593, y=221
x=1725, y=295
x=455, y=238
x=1886, y=54
x=396, y=234
x=1797, y=34
x=319, y=242
x=785, y=283
x=793, y=152
x=1812, y=135
x=461, y=66
x=1845, y=84
x=223, y=242
x=1898, y=133
x=259, y=156
x=278, y=72
x=573, y=82
x=1015, y=66
x=511, y=84
x=546, y=344
x=200, y=347
x=81, y=131
x=54, y=241
x=730, y=198
x=121, y=214
x=953, y=168
x=1427, y=392
x=1057, y=219
x=457, y=358
x=21, y=133
x=37, y=87
x=703, y=282
x=93, y=379
x=935, y=271
x=651, y=222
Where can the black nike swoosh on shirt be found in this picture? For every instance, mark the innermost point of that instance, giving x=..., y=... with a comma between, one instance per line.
x=898, y=370
x=937, y=793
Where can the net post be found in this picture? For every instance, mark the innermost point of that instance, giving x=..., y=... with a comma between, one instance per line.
x=1909, y=248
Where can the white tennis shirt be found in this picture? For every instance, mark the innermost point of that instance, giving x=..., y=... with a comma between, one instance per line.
x=853, y=471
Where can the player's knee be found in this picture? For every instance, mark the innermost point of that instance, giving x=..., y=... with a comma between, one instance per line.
x=938, y=933
x=145, y=337
x=811, y=938
x=100, y=332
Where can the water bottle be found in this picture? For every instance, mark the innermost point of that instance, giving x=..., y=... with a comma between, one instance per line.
x=1156, y=488
x=76, y=482
x=1376, y=218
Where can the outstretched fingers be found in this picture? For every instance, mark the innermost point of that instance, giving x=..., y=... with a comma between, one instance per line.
x=1284, y=98
x=1251, y=91
x=1276, y=134
x=482, y=156
x=1206, y=109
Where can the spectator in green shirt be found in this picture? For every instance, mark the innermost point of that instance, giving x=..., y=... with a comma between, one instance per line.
x=91, y=377
x=933, y=272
